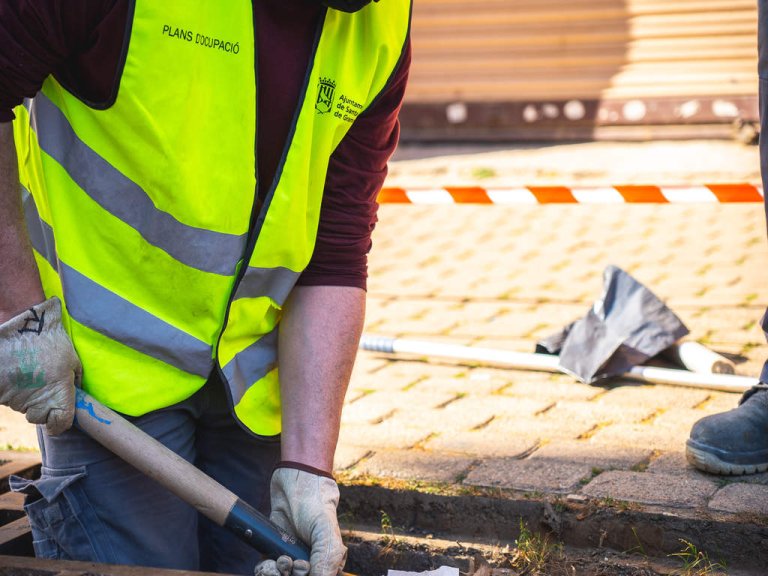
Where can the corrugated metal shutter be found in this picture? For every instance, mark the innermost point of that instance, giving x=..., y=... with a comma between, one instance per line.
x=601, y=53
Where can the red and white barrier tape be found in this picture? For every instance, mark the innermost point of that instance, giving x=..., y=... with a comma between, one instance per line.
x=631, y=194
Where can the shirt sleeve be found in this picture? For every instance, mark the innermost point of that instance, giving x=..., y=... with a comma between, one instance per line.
x=39, y=37
x=356, y=173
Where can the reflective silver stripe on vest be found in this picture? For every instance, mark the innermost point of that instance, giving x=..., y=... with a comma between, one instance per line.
x=198, y=248
x=115, y=317
x=251, y=365
x=40, y=233
x=276, y=283
x=105, y=312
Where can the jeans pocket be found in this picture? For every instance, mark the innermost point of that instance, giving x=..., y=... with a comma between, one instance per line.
x=59, y=512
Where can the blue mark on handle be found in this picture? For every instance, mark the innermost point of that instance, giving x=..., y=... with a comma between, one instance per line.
x=80, y=402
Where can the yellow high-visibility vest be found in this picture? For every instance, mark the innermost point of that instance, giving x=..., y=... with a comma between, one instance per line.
x=140, y=209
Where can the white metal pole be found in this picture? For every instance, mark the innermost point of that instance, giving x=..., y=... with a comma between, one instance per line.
x=550, y=363
x=698, y=358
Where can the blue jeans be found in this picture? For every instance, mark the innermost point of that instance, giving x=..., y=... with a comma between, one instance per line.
x=90, y=505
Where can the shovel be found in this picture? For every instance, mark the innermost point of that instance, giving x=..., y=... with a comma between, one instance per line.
x=184, y=480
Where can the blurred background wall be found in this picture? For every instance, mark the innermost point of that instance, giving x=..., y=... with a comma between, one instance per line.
x=511, y=70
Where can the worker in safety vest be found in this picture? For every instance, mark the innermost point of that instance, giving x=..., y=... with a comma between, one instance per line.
x=736, y=442
x=187, y=194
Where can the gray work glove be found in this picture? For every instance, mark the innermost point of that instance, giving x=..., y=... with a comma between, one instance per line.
x=39, y=367
x=304, y=504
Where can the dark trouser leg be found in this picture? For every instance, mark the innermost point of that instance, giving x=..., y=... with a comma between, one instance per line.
x=90, y=505
x=243, y=464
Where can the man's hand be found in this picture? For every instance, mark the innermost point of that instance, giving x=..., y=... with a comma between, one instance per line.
x=39, y=367
x=304, y=504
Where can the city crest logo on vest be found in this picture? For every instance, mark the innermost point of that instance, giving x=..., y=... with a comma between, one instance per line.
x=325, y=89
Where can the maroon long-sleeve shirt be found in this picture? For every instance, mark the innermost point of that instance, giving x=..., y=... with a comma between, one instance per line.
x=80, y=43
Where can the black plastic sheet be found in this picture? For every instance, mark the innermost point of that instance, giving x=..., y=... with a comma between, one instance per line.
x=624, y=328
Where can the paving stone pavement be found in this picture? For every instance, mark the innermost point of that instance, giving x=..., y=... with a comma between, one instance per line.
x=503, y=276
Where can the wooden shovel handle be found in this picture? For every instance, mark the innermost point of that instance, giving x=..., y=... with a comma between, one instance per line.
x=183, y=479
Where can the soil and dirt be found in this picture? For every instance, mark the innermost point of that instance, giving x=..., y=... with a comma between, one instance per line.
x=540, y=557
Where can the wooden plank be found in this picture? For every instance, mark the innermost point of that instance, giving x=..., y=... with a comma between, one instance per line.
x=23, y=466
x=39, y=566
x=16, y=538
x=8, y=455
x=12, y=501
x=15, y=535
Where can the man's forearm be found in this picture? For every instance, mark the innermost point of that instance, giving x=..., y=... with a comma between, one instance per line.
x=319, y=335
x=19, y=280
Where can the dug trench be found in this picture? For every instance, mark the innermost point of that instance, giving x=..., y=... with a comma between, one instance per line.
x=482, y=533
x=419, y=527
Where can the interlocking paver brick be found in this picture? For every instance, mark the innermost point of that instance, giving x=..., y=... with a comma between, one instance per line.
x=741, y=498
x=347, y=456
x=482, y=443
x=658, y=489
x=508, y=436
x=498, y=406
x=382, y=435
x=506, y=344
x=444, y=421
x=671, y=462
x=377, y=405
x=437, y=423
x=374, y=381
x=675, y=463
x=550, y=387
x=475, y=381
x=412, y=316
x=397, y=374
x=543, y=427
x=593, y=455
x=718, y=402
x=408, y=369
x=415, y=465
x=653, y=396
x=498, y=319
x=677, y=421
x=529, y=475
x=365, y=412
x=634, y=434
x=597, y=412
